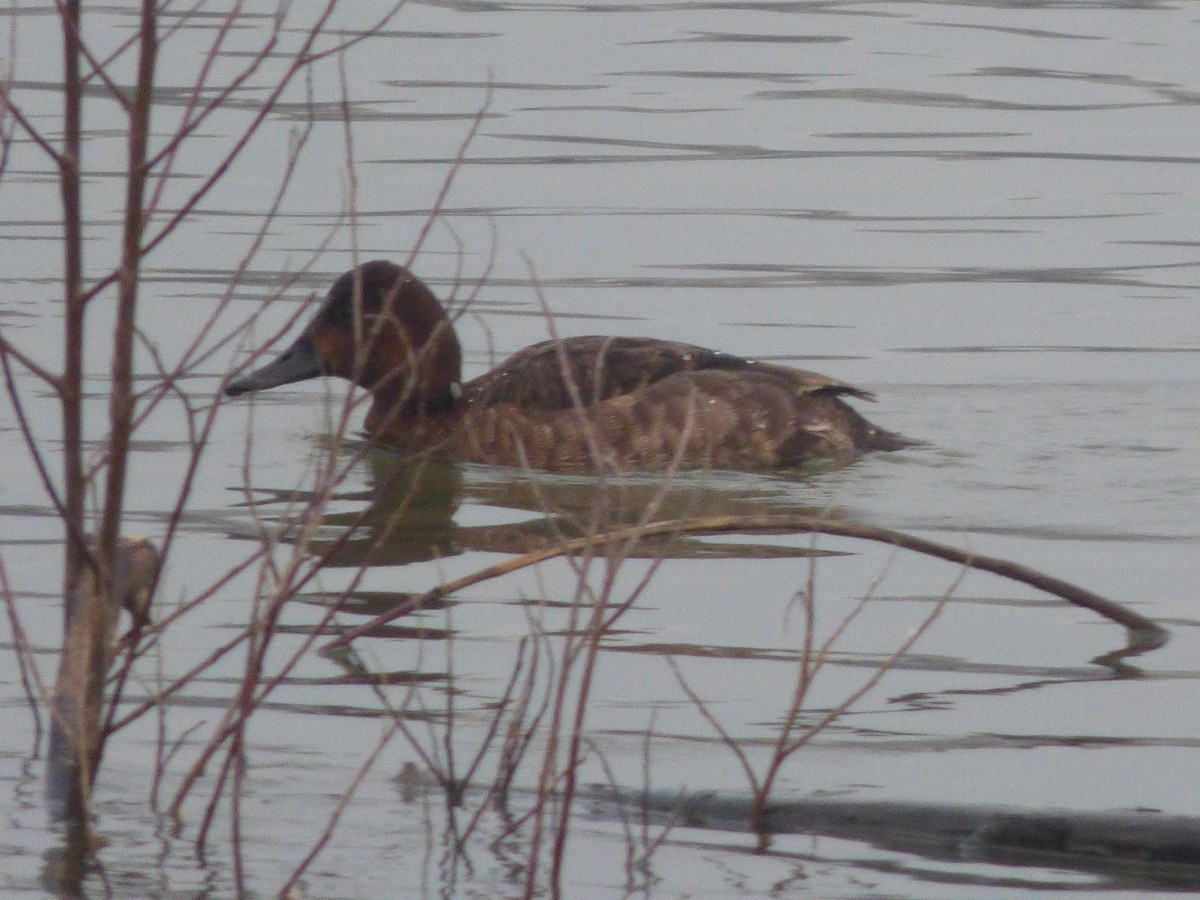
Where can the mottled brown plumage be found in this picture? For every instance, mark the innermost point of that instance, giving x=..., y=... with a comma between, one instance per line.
x=576, y=405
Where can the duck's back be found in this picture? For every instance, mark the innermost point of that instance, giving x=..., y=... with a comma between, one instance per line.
x=557, y=374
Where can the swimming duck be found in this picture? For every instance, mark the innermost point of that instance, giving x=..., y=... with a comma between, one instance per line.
x=581, y=404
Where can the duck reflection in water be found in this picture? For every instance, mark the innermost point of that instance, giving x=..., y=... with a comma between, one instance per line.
x=582, y=404
x=412, y=513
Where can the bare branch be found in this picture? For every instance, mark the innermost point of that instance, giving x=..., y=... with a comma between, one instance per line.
x=1155, y=634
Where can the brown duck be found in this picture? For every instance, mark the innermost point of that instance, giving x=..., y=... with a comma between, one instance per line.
x=582, y=404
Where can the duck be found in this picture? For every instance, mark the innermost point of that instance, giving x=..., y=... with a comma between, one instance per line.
x=573, y=405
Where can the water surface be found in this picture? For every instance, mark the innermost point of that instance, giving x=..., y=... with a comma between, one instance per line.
x=984, y=213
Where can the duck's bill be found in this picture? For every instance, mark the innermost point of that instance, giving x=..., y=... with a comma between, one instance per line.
x=298, y=362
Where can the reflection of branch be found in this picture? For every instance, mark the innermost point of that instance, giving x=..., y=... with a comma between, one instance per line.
x=1154, y=635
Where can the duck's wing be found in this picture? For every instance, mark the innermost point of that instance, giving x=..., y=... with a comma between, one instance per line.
x=764, y=416
x=552, y=374
x=801, y=381
x=758, y=416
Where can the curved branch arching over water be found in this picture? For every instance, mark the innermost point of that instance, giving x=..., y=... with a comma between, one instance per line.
x=1144, y=634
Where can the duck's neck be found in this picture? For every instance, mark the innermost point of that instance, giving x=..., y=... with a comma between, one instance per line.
x=393, y=411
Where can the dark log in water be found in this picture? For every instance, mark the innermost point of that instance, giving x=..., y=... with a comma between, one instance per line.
x=1145, y=846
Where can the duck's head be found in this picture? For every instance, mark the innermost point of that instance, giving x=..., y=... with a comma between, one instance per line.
x=381, y=328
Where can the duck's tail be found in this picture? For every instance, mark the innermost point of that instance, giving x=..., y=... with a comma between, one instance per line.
x=882, y=439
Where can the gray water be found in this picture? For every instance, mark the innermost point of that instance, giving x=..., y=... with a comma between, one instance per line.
x=987, y=214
